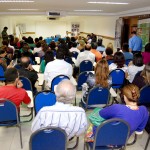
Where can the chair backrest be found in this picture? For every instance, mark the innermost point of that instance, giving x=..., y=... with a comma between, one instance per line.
x=75, y=54
x=69, y=60
x=118, y=77
x=56, y=80
x=26, y=83
x=110, y=61
x=86, y=65
x=8, y=113
x=48, y=139
x=98, y=96
x=1, y=73
x=82, y=79
x=127, y=61
x=144, y=96
x=113, y=132
x=43, y=98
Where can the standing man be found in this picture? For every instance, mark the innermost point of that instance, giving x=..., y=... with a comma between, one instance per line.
x=4, y=34
x=135, y=43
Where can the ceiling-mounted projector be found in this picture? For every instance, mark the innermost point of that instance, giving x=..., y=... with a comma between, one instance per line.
x=56, y=14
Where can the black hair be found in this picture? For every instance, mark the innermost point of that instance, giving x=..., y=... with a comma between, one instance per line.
x=60, y=54
x=94, y=45
x=30, y=40
x=10, y=75
x=49, y=56
x=133, y=32
x=40, y=38
x=147, y=47
x=74, y=44
x=109, y=51
x=52, y=45
x=88, y=48
x=125, y=47
x=5, y=28
x=73, y=39
x=2, y=51
x=38, y=44
x=119, y=59
x=36, y=40
x=99, y=43
x=138, y=60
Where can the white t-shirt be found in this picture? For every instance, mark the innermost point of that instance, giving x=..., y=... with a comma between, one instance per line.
x=74, y=49
x=113, y=66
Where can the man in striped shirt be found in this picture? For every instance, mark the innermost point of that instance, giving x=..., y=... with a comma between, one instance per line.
x=63, y=114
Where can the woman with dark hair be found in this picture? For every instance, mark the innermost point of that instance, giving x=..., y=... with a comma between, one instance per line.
x=146, y=54
x=109, y=53
x=119, y=62
x=135, y=66
x=47, y=58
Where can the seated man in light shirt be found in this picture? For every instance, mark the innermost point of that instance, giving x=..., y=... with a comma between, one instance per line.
x=63, y=114
x=57, y=67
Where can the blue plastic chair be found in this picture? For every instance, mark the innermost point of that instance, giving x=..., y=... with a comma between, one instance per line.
x=127, y=61
x=75, y=54
x=43, y=98
x=82, y=79
x=9, y=116
x=2, y=73
x=118, y=77
x=56, y=81
x=50, y=138
x=69, y=60
x=111, y=134
x=144, y=94
x=110, y=61
x=97, y=97
x=86, y=65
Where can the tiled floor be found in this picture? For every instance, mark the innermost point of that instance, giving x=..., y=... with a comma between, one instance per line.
x=9, y=138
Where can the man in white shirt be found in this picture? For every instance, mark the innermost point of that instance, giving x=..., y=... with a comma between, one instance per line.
x=63, y=114
x=74, y=48
x=85, y=55
x=57, y=67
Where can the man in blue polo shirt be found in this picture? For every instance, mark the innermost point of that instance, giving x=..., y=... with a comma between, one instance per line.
x=135, y=43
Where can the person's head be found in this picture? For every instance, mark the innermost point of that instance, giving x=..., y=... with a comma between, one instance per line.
x=5, y=43
x=119, y=59
x=38, y=44
x=52, y=45
x=125, y=47
x=40, y=38
x=110, y=45
x=30, y=40
x=94, y=45
x=133, y=32
x=146, y=73
x=2, y=53
x=74, y=44
x=6, y=28
x=82, y=43
x=102, y=73
x=25, y=61
x=131, y=93
x=99, y=43
x=109, y=51
x=36, y=40
x=25, y=47
x=65, y=92
x=147, y=47
x=45, y=48
x=11, y=76
x=88, y=47
x=138, y=60
x=49, y=56
x=60, y=54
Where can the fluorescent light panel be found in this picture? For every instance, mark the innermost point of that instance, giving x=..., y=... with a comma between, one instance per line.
x=110, y=3
x=16, y=1
x=20, y=9
x=88, y=10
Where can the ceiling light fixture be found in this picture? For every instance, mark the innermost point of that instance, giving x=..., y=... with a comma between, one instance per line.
x=16, y=1
x=110, y=3
x=21, y=9
x=88, y=10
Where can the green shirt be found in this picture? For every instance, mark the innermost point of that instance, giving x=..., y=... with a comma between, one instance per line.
x=42, y=66
x=4, y=35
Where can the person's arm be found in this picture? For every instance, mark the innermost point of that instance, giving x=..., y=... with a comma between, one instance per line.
x=46, y=73
x=130, y=45
x=77, y=63
x=26, y=98
x=109, y=112
x=42, y=66
x=70, y=71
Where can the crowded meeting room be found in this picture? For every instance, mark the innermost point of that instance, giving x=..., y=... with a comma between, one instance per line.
x=74, y=75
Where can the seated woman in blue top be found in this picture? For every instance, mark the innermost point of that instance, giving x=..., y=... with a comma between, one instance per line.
x=136, y=116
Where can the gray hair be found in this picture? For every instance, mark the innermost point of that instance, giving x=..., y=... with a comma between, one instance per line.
x=65, y=92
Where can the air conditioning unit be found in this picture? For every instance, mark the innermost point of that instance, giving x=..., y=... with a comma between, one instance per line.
x=55, y=14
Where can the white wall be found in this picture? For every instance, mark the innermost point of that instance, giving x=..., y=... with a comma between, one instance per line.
x=103, y=25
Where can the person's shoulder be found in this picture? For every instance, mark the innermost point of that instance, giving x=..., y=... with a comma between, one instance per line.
x=77, y=109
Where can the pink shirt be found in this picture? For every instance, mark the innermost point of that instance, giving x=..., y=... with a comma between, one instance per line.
x=146, y=57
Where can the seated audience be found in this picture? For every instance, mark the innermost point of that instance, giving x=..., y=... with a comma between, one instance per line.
x=97, y=54
x=57, y=67
x=101, y=78
x=52, y=46
x=110, y=45
x=109, y=53
x=12, y=89
x=127, y=54
x=136, y=116
x=37, y=48
x=72, y=119
x=100, y=47
x=74, y=48
x=135, y=66
x=3, y=61
x=47, y=58
x=142, y=78
x=119, y=62
x=81, y=46
x=26, y=70
x=146, y=54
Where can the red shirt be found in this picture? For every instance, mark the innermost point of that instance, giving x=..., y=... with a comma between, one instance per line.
x=97, y=54
x=14, y=94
